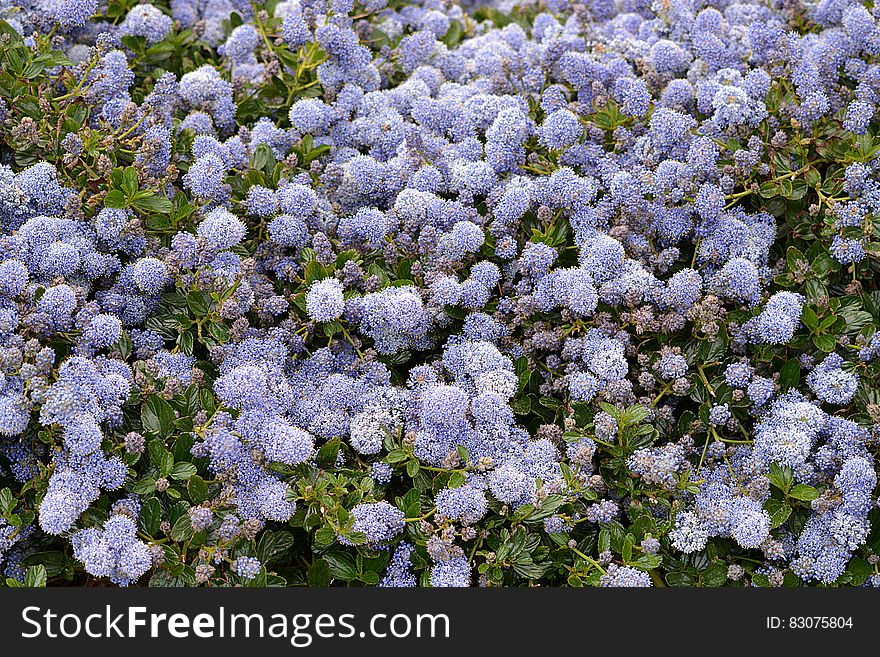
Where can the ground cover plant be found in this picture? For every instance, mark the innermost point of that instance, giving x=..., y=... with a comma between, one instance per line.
x=439, y=293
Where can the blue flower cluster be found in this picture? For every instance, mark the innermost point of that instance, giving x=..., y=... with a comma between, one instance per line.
x=455, y=292
x=114, y=552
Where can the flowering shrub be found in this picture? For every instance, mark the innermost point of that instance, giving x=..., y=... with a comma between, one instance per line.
x=431, y=294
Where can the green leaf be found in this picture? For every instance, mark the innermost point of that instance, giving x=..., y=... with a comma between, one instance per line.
x=115, y=198
x=341, y=566
x=410, y=503
x=157, y=416
x=611, y=409
x=151, y=425
x=679, y=579
x=454, y=34
x=523, y=372
x=130, y=181
x=182, y=471
x=855, y=320
x=315, y=271
x=7, y=502
x=715, y=575
x=810, y=318
x=145, y=486
x=768, y=190
x=718, y=347
x=156, y=450
x=135, y=43
x=815, y=290
x=197, y=489
x=521, y=405
x=219, y=331
x=648, y=561
x=781, y=477
x=790, y=374
x=332, y=328
x=186, y=341
x=11, y=36
x=635, y=414
x=760, y=579
x=526, y=567
x=412, y=467
x=182, y=529
x=164, y=579
x=779, y=512
x=182, y=448
x=404, y=269
x=36, y=576
x=151, y=516
x=793, y=257
x=328, y=453
x=199, y=302
x=604, y=540
x=154, y=203
x=395, y=456
x=803, y=492
x=116, y=177
x=825, y=341
x=858, y=571
x=319, y=573
x=324, y=536
x=55, y=563
x=795, y=190
x=456, y=479
x=273, y=545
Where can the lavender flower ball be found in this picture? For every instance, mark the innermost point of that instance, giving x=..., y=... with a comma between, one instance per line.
x=150, y=275
x=324, y=300
x=222, y=229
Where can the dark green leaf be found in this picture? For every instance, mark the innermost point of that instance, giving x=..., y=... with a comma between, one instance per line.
x=341, y=566
x=319, y=573
x=715, y=575
x=157, y=416
x=273, y=544
x=183, y=471
x=199, y=302
x=858, y=571
x=328, y=453
x=151, y=516
x=679, y=579
x=790, y=374
x=197, y=489
x=182, y=529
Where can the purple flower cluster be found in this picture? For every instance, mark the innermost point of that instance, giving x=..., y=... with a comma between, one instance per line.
x=420, y=279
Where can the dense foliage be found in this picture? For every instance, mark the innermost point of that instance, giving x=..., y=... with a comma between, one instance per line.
x=535, y=292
